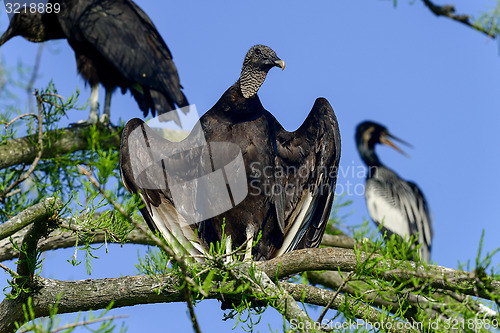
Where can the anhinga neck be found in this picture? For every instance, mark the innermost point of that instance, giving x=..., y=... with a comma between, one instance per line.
x=369, y=156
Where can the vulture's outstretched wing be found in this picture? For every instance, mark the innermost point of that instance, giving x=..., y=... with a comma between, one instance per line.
x=143, y=165
x=120, y=32
x=310, y=158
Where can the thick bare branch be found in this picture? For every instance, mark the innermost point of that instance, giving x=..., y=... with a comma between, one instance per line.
x=74, y=296
x=342, y=241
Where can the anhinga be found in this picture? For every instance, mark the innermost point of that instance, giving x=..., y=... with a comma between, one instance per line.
x=116, y=44
x=398, y=205
x=290, y=176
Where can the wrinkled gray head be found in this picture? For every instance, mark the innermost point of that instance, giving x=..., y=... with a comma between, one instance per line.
x=258, y=61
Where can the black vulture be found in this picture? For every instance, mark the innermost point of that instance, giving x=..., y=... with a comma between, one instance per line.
x=398, y=205
x=290, y=177
x=116, y=44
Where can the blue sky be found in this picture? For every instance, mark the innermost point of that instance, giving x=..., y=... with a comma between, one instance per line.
x=432, y=82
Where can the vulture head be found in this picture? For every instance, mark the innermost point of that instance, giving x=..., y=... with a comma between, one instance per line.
x=258, y=61
x=35, y=27
x=28, y=25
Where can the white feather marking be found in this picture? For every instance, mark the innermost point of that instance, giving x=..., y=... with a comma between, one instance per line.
x=173, y=227
x=382, y=211
x=302, y=208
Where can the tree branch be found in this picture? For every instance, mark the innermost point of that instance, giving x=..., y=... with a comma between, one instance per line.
x=56, y=143
x=317, y=296
x=74, y=296
x=342, y=241
x=29, y=249
x=61, y=239
x=391, y=302
x=7, y=191
x=83, y=295
x=296, y=262
x=345, y=260
x=449, y=11
x=34, y=75
x=37, y=212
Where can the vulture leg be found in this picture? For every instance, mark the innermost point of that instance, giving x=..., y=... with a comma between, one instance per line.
x=107, y=104
x=229, y=249
x=248, y=251
x=94, y=103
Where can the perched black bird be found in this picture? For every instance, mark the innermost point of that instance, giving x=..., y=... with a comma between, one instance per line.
x=398, y=205
x=115, y=44
x=290, y=176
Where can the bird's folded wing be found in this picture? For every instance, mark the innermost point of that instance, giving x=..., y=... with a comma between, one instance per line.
x=401, y=208
x=125, y=36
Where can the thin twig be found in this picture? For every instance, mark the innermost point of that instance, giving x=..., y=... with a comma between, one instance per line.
x=180, y=261
x=54, y=95
x=19, y=117
x=11, y=193
x=325, y=309
x=77, y=324
x=8, y=270
x=34, y=75
x=3, y=80
x=25, y=176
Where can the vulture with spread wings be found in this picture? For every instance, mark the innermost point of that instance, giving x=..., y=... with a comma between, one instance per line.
x=289, y=177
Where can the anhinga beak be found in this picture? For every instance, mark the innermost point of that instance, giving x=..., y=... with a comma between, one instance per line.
x=384, y=139
x=280, y=63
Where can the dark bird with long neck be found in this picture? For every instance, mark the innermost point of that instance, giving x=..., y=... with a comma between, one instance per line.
x=398, y=205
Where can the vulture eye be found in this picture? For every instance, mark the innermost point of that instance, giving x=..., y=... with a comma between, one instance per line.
x=258, y=52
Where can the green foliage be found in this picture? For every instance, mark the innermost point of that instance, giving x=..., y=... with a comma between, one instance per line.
x=93, y=323
x=490, y=20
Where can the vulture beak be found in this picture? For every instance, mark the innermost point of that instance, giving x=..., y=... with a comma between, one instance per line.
x=384, y=139
x=280, y=63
